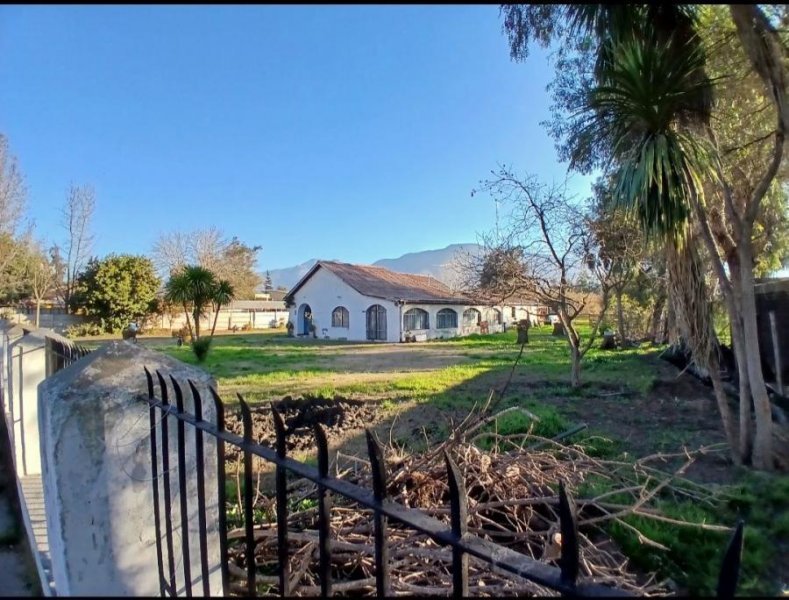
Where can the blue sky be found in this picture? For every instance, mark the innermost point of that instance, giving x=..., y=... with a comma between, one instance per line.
x=344, y=132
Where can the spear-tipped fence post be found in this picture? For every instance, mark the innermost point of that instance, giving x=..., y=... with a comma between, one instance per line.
x=730, y=567
x=282, y=505
x=458, y=502
x=324, y=512
x=246, y=418
x=568, y=525
x=378, y=468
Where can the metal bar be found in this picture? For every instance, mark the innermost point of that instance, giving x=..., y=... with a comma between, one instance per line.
x=168, y=511
x=730, y=567
x=379, y=520
x=779, y=368
x=494, y=554
x=282, y=506
x=324, y=513
x=155, y=481
x=222, y=490
x=458, y=502
x=246, y=418
x=568, y=524
x=182, y=491
x=201, y=513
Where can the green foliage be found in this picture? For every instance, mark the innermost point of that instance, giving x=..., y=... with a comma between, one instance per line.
x=117, y=290
x=84, y=330
x=201, y=347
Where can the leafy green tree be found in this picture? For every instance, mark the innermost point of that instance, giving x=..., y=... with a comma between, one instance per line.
x=117, y=290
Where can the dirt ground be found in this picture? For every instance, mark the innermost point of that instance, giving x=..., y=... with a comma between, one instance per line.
x=678, y=411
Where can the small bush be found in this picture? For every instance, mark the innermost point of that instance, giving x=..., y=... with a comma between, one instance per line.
x=200, y=347
x=83, y=330
x=158, y=331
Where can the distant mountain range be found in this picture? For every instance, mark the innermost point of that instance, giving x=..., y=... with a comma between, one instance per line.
x=436, y=263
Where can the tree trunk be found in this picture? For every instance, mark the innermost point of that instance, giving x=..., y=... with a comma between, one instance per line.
x=196, y=315
x=38, y=312
x=746, y=421
x=763, y=440
x=188, y=322
x=738, y=344
x=656, y=320
x=724, y=409
x=575, y=372
x=216, y=317
x=620, y=317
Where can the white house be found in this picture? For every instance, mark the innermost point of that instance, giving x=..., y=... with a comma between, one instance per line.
x=362, y=302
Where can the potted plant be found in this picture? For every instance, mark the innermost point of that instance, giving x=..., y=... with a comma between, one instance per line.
x=290, y=328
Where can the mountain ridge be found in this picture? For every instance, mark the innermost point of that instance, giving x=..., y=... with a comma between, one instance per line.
x=437, y=263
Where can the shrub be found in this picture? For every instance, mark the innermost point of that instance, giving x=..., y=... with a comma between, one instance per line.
x=200, y=347
x=83, y=330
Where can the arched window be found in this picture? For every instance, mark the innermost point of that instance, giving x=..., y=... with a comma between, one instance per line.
x=471, y=317
x=339, y=317
x=497, y=316
x=416, y=318
x=446, y=318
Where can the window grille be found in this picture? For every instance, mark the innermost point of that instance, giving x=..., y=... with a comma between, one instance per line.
x=416, y=318
x=340, y=317
x=446, y=318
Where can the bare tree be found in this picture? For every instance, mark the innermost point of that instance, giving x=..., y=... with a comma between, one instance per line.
x=547, y=251
x=13, y=195
x=622, y=245
x=229, y=259
x=41, y=274
x=77, y=215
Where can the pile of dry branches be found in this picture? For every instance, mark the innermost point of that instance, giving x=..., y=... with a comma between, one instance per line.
x=512, y=500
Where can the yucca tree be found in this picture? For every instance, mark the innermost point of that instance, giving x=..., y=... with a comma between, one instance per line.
x=222, y=296
x=651, y=99
x=648, y=118
x=193, y=288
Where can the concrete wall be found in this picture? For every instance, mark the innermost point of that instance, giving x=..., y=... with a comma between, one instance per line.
x=55, y=320
x=259, y=319
x=95, y=446
x=28, y=367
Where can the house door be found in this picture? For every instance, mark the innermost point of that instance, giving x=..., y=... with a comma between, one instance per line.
x=306, y=319
x=376, y=322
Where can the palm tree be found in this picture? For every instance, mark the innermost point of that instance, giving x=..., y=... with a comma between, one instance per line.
x=223, y=295
x=194, y=287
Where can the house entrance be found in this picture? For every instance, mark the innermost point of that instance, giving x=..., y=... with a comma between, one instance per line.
x=304, y=319
x=376, y=322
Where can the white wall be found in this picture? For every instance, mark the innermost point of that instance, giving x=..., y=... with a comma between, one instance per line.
x=324, y=291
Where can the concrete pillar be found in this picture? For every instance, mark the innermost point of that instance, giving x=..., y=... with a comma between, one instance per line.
x=97, y=475
x=27, y=367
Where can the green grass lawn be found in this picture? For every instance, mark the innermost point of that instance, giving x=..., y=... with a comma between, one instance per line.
x=269, y=365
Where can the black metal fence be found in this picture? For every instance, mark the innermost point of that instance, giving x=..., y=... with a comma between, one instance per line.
x=60, y=354
x=564, y=578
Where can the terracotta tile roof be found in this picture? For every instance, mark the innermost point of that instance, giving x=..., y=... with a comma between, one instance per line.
x=378, y=282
